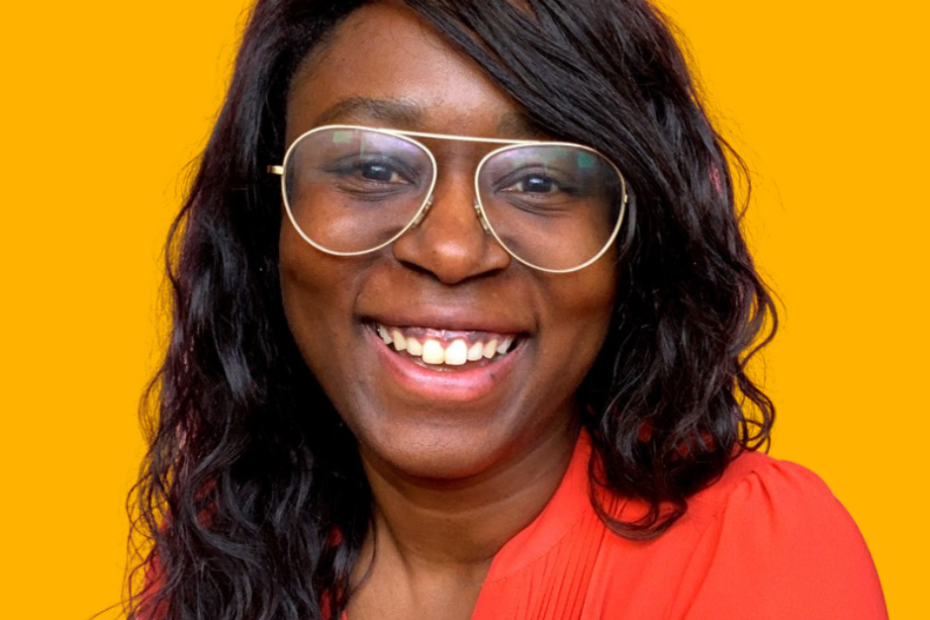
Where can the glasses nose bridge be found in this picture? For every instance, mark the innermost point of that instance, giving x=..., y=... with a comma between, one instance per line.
x=460, y=168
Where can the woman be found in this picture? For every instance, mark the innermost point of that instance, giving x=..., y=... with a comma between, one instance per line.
x=462, y=313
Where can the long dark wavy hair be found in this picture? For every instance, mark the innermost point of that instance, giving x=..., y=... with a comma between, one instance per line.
x=252, y=498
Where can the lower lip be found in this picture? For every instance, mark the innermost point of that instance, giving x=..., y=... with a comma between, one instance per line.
x=449, y=384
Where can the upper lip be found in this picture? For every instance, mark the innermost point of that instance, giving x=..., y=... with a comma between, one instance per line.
x=447, y=318
x=410, y=300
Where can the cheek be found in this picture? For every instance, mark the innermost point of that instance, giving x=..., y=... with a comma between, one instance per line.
x=302, y=273
x=316, y=290
x=577, y=312
x=311, y=299
x=580, y=309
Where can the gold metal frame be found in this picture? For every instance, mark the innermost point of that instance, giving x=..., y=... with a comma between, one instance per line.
x=428, y=201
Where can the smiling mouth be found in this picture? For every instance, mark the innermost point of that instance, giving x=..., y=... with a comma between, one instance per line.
x=438, y=348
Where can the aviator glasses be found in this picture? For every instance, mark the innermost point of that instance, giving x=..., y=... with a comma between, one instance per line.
x=350, y=190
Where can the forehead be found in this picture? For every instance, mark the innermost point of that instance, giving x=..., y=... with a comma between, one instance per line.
x=384, y=66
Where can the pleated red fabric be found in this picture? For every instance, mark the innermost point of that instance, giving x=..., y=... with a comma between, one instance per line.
x=767, y=541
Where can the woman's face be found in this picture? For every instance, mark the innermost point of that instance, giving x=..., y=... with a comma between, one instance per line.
x=445, y=280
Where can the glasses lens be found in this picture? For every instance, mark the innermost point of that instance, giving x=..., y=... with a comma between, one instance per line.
x=554, y=206
x=352, y=190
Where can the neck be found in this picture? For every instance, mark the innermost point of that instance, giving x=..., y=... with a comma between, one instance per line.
x=450, y=527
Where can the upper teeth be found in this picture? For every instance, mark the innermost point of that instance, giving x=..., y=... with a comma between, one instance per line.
x=433, y=349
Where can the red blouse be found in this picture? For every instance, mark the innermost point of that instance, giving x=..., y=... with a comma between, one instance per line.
x=767, y=541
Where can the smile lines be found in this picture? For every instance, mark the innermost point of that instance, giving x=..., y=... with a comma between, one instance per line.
x=440, y=347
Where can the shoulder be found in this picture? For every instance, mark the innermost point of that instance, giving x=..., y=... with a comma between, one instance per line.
x=756, y=482
x=773, y=531
x=767, y=541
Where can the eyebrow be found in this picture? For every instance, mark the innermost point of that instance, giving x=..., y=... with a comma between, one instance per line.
x=405, y=114
x=397, y=112
x=518, y=125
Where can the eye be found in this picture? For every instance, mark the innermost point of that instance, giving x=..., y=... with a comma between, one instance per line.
x=535, y=184
x=381, y=172
x=533, y=189
x=372, y=172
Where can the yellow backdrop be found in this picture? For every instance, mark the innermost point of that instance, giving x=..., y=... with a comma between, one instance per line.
x=104, y=103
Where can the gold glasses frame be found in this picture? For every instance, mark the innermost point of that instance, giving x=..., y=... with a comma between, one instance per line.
x=486, y=225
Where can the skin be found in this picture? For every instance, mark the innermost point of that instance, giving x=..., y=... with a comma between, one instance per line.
x=455, y=474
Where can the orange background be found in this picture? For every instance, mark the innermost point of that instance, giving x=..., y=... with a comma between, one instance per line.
x=104, y=103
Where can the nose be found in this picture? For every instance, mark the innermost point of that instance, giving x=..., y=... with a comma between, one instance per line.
x=450, y=241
